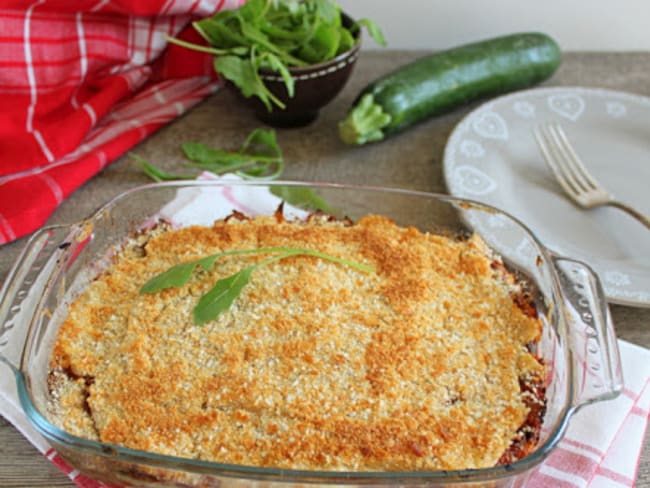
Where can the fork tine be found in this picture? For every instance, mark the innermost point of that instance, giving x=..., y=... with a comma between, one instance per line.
x=563, y=160
x=572, y=175
x=580, y=174
x=550, y=153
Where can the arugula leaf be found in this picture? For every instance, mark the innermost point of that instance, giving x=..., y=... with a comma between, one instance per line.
x=243, y=73
x=327, y=10
x=226, y=290
x=203, y=154
x=180, y=274
x=259, y=156
x=305, y=198
x=328, y=257
x=275, y=63
x=262, y=141
x=347, y=42
x=156, y=173
x=174, y=277
x=177, y=275
x=218, y=31
x=221, y=296
x=275, y=34
x=373, y=29
x=323, y=45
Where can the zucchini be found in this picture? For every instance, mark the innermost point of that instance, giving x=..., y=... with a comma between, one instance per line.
x=441, y=82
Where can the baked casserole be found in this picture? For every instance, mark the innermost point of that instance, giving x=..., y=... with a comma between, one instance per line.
x=426, y=362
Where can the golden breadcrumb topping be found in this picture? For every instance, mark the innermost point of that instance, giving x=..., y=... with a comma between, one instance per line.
x=418, y=365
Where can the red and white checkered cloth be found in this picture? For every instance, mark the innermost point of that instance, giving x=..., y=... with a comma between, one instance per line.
x=81, y=82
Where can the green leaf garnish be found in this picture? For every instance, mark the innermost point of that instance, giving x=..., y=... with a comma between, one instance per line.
x=226, y=290
x=373, y=29
x=300, y=197
x=157, y=174
x=174, y=277
x=221, y=296
x=259, y=156
x=275, y=34
x=179, y=274
x=262, y=142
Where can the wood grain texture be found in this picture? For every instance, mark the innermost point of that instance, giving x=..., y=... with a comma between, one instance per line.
x=410, y=160
x=21, y=465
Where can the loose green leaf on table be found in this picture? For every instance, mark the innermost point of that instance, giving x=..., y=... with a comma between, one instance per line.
x=262, y=142
x=158, y=174
x=259, y=156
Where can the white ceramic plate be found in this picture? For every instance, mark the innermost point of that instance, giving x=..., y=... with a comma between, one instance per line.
x=492, y=157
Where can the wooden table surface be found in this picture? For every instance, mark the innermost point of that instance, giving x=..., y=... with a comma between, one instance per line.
x=411, y=160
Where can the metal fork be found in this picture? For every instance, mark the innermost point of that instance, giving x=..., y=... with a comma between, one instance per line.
x=572, y=175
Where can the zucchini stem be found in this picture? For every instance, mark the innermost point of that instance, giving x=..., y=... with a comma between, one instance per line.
x=364, y=123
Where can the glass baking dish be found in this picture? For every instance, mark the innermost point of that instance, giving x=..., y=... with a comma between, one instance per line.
x=578, y=344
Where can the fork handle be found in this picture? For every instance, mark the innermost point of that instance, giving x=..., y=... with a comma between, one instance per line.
x=631, y=211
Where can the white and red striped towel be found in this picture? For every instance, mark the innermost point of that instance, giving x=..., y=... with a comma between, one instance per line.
x=601, y=448
x=81, y=82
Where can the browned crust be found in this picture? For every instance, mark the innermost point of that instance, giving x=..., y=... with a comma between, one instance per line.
x=424, y=364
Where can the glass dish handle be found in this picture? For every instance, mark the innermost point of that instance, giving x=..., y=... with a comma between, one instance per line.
x=23, y=288
x=595, y=356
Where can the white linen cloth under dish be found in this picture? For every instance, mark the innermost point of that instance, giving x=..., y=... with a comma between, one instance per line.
x=601, y=448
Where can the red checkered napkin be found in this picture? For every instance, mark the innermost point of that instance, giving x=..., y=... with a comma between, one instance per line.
x=81, y=82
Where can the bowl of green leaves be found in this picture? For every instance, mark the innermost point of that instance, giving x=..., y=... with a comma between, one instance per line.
x=286, y=59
